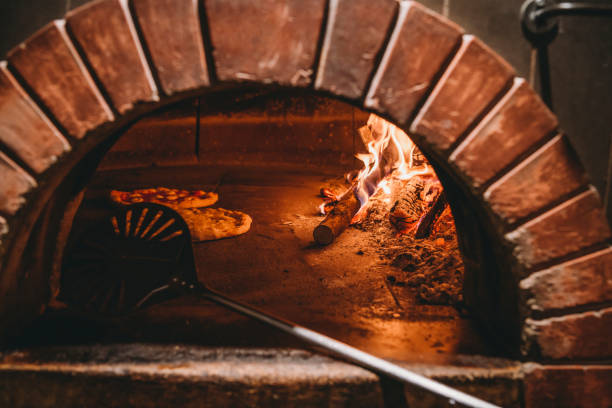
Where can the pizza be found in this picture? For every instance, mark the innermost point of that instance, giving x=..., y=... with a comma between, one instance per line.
x=170, y=197
x=207, y=224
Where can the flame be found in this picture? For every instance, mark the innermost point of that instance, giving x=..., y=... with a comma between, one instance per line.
x=322, y=208
x=390, y=154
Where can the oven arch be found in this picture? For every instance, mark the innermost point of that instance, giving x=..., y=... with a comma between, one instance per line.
x=535, y=237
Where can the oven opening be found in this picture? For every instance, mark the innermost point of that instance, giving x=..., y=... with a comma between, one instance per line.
x=349, y=233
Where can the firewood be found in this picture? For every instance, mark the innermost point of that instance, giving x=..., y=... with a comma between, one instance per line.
x=338, y=219
x=328, y=193
x=431, y=216
x=408, y=209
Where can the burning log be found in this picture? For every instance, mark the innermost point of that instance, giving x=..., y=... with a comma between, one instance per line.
x=407, y=210
x=338, y=219
x=330, y=199
x=431, y=216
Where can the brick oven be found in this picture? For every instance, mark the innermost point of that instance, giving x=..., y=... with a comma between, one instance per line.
x=261, y=100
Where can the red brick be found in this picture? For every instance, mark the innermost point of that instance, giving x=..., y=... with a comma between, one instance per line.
x=543, y=178
x=587, y=279
x=474, y=78
x=585, y=386
x=575, y=336
x=105, y=33
x=53, y=69
x=173, y=36
x=576, y=224
x=24, y=128
x=417, y=49
x=15, y=183
x=265, y=40
x=356, y=31
x=516, y=123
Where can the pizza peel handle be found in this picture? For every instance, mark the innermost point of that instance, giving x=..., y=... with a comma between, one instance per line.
x=338, y=348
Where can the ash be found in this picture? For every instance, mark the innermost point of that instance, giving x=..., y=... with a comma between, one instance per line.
x=431, y=266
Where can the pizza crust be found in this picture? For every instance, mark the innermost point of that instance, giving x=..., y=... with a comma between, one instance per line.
x=170, y=197
x=207, y=224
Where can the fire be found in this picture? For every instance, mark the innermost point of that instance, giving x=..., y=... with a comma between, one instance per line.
x=395, y=170
x=390, y=155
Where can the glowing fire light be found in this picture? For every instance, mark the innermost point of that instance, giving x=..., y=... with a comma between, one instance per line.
x=390, y=153
x=322, y=208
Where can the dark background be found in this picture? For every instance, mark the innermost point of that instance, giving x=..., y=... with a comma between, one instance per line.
x=580, y=64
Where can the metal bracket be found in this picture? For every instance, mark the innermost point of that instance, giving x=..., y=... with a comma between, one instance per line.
x=539, y=17
x=540, y=27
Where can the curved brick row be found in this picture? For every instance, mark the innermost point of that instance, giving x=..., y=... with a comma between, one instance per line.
x=519, y=121
x=575, y=224
x=25, y=129
x=50, y=65
x=578, y=282
x=418, y=47
x=105, y=32
x=15, y=184
x=172, y=34
x=567, y=386
x=460, y=100
x=541, y=179
x=474, y=78
x=348, y=57
x=275, y=41
x=575, y=336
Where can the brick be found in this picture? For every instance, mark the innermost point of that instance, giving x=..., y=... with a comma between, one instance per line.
x=52, y=68
x=543, y=178
x=576, y=336
x=15, y=183
x=586, y=386
x=516, y=123
x=417, y=49
x=24, y=128
x=349, y=50
x=576, y=224
x=474, y=78
x=173, y=35
x=105, y=33
x=265, y=40
x=581, y=281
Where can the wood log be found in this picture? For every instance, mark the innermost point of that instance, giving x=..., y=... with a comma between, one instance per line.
x=431, y=216
x=408, y=209
x=337, y=220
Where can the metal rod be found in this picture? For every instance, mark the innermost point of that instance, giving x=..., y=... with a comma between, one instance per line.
x=352, y=354
x=540, y=27
x=571, y=8
x=544, y=70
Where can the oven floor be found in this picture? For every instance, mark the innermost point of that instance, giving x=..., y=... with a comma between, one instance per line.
x=340, y=290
